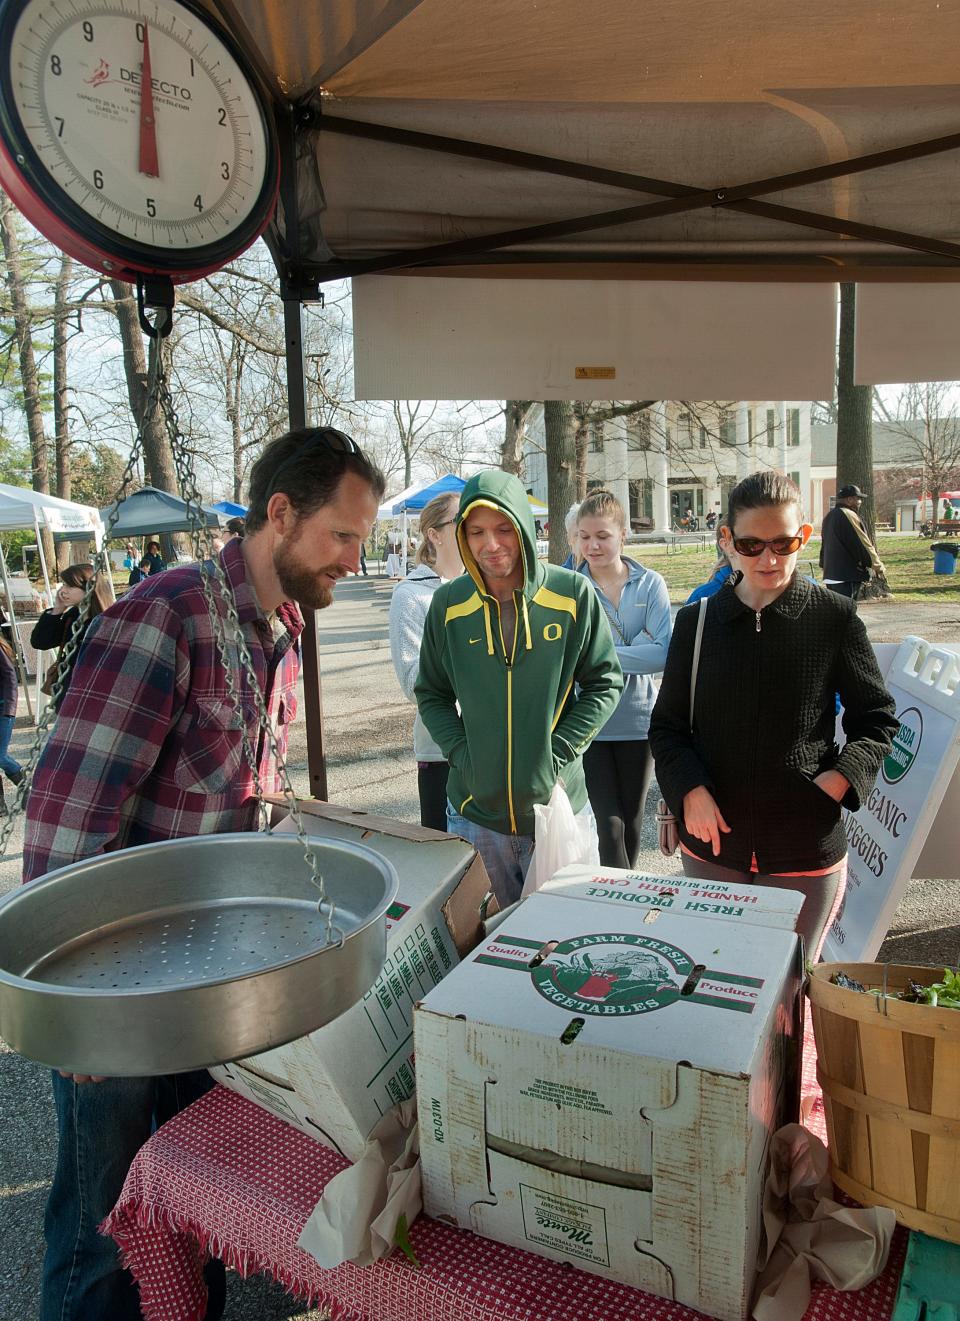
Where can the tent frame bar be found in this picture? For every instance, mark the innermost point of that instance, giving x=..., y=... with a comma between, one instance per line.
x=682, y=197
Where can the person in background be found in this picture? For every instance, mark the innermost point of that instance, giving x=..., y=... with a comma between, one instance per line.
x=8, y=713
x=129, y=556
x=154, y=558
x=235, y=528
x=573, y=538
x=847, y=555
x=720, y=575
x=617, y=764
x=139, y=572
x=438, y=560
x=363, y=559
x=54, y=627
x=517, y=674
x=758, y=783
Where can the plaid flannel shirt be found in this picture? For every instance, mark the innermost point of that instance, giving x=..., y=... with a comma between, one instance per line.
x=146, y=746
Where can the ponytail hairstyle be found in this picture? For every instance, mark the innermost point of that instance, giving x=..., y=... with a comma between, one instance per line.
x=603, y=504
x=763, y=490
x=433, y=516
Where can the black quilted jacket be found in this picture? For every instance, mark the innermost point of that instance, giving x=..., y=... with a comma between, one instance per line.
x=764, y=723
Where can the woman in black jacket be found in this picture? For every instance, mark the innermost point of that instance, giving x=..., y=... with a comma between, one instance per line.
x=53, y=628
x=758, y=783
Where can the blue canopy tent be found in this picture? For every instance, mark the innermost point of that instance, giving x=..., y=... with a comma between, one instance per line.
x=415, y=498
x=229, y=509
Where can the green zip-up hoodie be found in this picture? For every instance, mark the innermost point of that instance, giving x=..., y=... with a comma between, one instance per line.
x=521, y=723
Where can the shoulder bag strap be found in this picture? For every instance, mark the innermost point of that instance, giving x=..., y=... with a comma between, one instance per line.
x=704, y=601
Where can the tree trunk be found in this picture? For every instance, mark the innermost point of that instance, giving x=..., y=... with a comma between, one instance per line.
x=514, y=426
x=581, y=439
x=558, y=426
x=854, y=413
x=61, y=411
x=29, y=374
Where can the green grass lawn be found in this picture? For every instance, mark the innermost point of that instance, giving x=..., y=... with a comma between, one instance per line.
x=908, y=558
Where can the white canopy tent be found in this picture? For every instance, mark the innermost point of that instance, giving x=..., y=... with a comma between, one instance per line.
x=20, y=508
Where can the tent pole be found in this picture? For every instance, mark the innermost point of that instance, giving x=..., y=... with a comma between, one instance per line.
x=295, y=290
x=15, y=634
x=403, y=558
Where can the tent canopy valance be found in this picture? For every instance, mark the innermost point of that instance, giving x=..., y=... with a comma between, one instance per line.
x=148, y=512
x=21, y=507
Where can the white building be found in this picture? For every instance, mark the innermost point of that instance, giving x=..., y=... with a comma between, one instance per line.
x=679, y=456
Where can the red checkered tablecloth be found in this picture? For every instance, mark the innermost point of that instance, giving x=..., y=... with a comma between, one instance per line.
x=227, y=1177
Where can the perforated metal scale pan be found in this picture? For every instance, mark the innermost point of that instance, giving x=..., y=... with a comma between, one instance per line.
x=188, y=953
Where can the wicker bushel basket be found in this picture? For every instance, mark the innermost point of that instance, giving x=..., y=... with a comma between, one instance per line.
x=890, y=1073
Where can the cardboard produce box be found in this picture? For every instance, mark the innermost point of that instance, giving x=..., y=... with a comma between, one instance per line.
x=336, y=1083
x=599, y=1085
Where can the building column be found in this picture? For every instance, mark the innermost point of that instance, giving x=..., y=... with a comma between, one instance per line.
x=744, y=448
x=783, y=452
x=615, y=466
x=658, y=466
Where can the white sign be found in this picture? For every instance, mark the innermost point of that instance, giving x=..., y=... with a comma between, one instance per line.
x=886, y=836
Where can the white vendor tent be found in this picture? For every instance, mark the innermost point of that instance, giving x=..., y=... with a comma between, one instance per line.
x=22, y=508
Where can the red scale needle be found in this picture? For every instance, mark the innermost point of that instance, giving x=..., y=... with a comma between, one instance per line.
x=148, y=125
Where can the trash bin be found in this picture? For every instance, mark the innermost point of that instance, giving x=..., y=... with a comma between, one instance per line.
x=945, y=557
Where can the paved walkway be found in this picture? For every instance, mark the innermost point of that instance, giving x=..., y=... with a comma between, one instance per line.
x=370, y=763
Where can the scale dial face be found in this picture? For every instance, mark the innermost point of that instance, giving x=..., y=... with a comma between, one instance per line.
x=134, y=132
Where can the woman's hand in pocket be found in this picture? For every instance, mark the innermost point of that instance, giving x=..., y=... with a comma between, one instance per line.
x=833, y=784
x=703, y=819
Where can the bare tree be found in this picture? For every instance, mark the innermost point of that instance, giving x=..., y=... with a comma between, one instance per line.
x=515, y=414
x=30, y=381
x=413, y=420
x=930, y=432
x=561, y=452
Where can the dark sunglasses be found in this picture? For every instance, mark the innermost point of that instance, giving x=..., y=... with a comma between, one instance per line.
x=327, y=438
x=753, y=546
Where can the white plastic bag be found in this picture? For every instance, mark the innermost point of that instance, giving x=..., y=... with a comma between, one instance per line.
x=560, y=839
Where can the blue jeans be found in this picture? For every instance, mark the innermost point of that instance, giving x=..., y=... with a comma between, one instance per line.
x=7, y=763
x=506, y=857
x=101, y=1128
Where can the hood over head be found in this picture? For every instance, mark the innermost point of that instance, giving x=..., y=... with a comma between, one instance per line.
x=501, y=490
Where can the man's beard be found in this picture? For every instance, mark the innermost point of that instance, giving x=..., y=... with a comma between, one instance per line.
x=299, y=584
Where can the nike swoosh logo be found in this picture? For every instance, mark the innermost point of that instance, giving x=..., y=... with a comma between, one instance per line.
x=473, y=640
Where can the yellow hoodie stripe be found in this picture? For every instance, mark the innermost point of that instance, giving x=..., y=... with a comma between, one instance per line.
x=468, y=607
x=554, y=601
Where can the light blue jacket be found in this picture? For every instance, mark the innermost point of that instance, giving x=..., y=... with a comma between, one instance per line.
x=643, y=617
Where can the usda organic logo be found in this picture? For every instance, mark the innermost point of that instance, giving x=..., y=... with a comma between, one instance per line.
x=612, y=974
x=906, y=745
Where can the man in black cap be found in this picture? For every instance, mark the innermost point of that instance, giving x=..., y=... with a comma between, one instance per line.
x=847, y=555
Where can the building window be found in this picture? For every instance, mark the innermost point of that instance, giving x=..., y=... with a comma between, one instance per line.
x=596, y=438
x=703, y=436
x=595, y=484
x=638, y=436
x=795, y=478
x=793, y=426
x=728, y=427
x=771, y=427
x=684, y=431
x=641, y=501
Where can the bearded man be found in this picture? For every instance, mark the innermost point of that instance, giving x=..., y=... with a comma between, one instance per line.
x=147, y=747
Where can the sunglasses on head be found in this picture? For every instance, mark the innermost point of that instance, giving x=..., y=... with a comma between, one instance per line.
x=327, y=438
x=754, y=546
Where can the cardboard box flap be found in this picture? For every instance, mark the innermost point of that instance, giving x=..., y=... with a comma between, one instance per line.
x=680, y=988
x=317, y=809
x=750, y=904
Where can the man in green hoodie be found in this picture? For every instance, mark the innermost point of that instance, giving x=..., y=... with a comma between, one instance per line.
x=507, y=642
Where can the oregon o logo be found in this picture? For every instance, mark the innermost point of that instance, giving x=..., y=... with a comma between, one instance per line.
x=612, y=974
x=906, y=745
x=551, y=632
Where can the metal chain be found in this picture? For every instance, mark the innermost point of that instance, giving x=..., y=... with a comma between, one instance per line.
x=217, y=591
x=211, y=572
